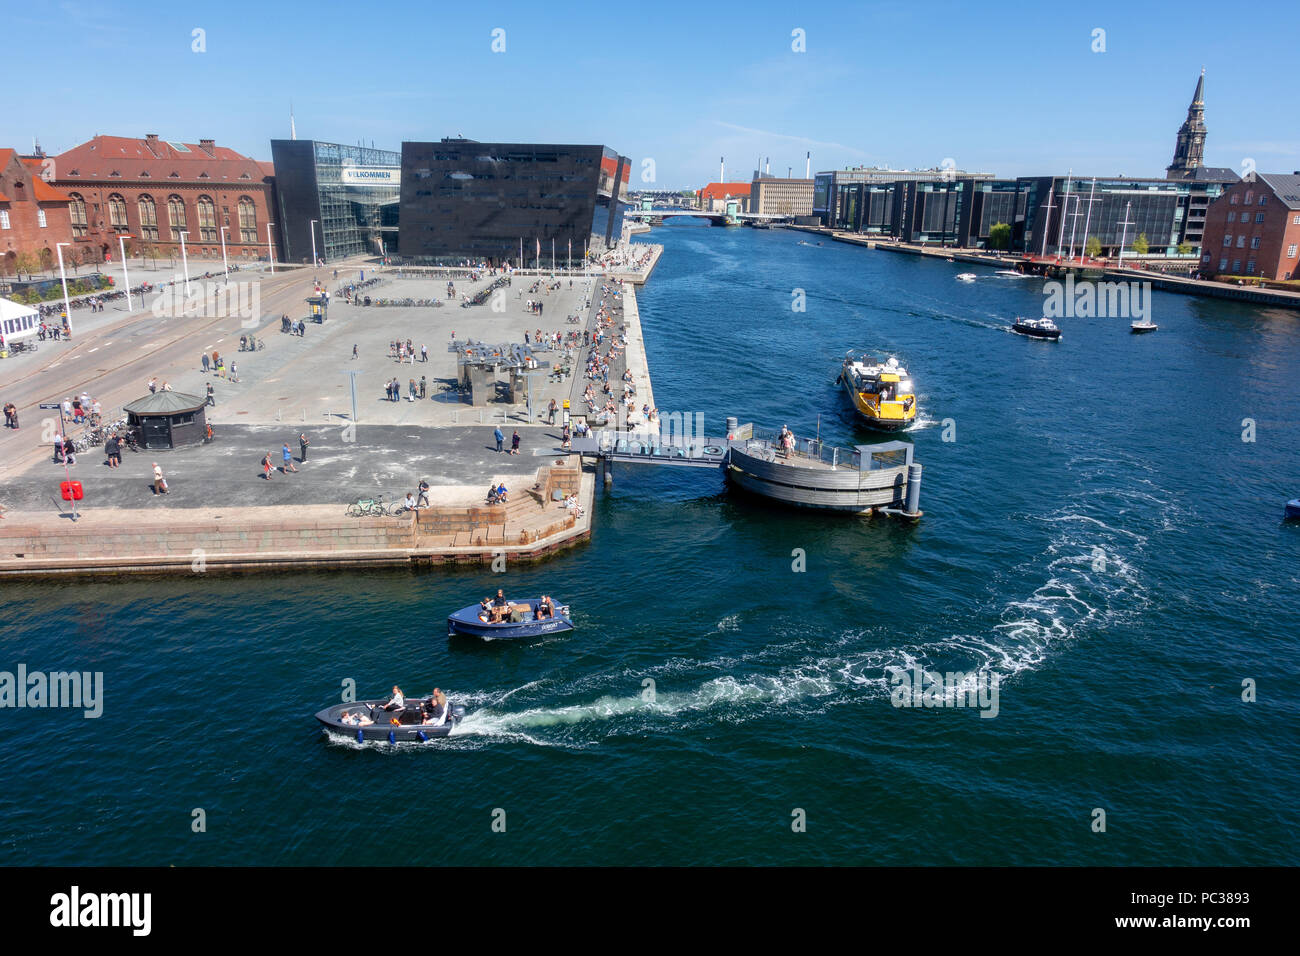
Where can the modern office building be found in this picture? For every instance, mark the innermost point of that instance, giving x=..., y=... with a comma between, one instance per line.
x=960, y=213
x=463, y=199
x=155, y=190
x=336, y=200
x=1253, y=229
x=1062, y=213
x=772, y=196
x=827, y=201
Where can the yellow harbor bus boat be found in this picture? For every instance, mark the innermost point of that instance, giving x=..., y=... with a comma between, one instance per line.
x=881, y=391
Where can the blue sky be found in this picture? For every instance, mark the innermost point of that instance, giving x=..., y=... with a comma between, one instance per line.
x=1008, y=88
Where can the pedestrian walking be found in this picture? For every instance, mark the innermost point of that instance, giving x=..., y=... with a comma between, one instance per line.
x=550, y=411
x=159, y=482
x=288, y=458
x=205, y=363
x=514, y=443
x=501, y=439
x=423, y=386
x=302, y=448
x=113, y=449
x=266, y=466
x=211, y=397
x=424, y=353
x=354, y=350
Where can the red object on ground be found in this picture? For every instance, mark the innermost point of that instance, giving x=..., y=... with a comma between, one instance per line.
x=71, y=490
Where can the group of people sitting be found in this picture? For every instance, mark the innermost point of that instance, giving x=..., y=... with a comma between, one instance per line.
x=433, y=710
x=497, y=494
x=499, y=610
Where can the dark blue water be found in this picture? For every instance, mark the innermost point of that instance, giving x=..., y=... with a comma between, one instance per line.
x=1098, y=533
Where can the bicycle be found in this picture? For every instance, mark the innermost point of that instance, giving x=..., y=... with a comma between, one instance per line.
x=367, y=507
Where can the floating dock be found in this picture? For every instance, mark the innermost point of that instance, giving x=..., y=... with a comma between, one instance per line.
x=868, y=479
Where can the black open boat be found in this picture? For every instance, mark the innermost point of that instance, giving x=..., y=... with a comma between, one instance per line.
x=1037, y=329
x=367, y=720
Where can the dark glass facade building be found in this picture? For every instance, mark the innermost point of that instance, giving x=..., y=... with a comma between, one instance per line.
x=489, y=201
x=351, y=192
x=1048, y=215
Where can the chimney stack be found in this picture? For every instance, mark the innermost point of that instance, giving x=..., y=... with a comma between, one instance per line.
x=807, y=169
x=722, y=169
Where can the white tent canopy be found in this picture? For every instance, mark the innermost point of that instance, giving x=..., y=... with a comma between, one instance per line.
x=17, y=321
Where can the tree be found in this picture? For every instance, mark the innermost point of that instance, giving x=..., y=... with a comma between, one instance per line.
x=1000, y=236
x=1184, y=248
x=25, y=262
x=1141, y=245
x=47, y=260
x=1092, y=248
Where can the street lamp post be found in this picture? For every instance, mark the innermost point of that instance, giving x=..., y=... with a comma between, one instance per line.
x=185, y=263
x=312, y=229
x=224, y=263
x=126, y=279
x=270, y=249
x=67, y=306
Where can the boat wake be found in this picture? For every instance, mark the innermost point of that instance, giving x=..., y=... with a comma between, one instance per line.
x=1085, y=578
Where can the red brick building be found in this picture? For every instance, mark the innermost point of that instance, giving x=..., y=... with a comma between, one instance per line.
x=154, y=190
x=34, y=216
x=712, y=198
x=1253, y=229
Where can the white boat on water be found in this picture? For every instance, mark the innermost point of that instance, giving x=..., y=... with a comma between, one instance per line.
x=966, y=277
x=1011, y=274
x=1139, y=326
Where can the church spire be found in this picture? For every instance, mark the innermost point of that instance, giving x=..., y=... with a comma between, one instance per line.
x=1189, y=148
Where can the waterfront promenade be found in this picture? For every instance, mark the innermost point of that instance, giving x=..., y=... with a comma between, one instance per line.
x=299, y=385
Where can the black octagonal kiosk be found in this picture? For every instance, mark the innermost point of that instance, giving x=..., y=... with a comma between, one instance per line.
x=168, y=419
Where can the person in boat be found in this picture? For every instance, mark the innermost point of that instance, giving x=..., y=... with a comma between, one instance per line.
x=545, y=608
x=485, y=610
x=436, y=710
x=355, y=719
x=431, y=708
x=397, y=702
x=787, y=441
x=500, y=606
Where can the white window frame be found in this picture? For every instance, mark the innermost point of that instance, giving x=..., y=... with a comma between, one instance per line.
x=4, y=218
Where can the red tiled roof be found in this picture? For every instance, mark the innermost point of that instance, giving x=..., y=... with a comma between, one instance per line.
x=722, y=190
x=41, y=190
x=102, y=156
x=5, y=155
x=4, y=198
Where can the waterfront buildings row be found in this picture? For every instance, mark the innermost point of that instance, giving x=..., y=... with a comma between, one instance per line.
x=459, y=199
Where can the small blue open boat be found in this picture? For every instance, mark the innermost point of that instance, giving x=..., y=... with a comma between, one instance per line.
x=467, y=622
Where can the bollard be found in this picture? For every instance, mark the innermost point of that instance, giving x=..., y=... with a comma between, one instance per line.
x=732, y=424
x=913, y=488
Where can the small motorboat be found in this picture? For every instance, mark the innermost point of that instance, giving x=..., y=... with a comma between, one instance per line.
x=521, y=622
x=1292, y=510
x=368, y=720
x=1011, y=274
x=1037, y=329
x=1138, y=326
x=966, y=277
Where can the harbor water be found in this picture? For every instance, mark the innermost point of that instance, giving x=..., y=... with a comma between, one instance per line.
x=1102, y=530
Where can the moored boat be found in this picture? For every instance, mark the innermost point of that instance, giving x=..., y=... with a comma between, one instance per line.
x=522, y=621
x=1138, y=326
x=881, y=392
x=1037, y=329
x=368, y=720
